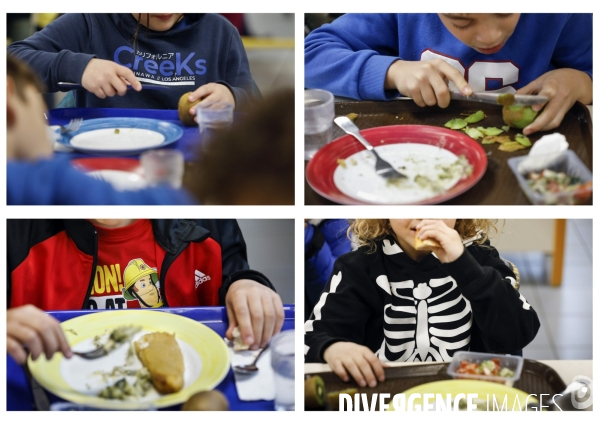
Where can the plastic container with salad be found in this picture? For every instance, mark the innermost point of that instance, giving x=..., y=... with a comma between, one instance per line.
x=567, y=181
x=503, y=369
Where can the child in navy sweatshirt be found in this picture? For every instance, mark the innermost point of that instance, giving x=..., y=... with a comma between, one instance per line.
x=109, y=53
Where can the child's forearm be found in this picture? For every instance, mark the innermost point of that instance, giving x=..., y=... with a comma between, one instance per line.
x=391, y=75
x=586, y=85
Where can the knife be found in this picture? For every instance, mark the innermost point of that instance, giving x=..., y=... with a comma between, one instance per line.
x=66, y=86
x=519, y=99
x=40, y=399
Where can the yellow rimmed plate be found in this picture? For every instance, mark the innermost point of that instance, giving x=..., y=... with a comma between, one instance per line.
x=514, y=399
x=205, y=355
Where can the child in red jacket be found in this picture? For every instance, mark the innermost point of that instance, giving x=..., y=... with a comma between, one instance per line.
x=124, y=264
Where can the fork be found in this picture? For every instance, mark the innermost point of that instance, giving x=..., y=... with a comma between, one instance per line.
x=92, y=354
x=72, y=126
x=382, y=167
x=117, y=337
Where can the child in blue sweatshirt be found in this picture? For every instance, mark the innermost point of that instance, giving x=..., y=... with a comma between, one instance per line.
x=378, y=56
x=109, y=53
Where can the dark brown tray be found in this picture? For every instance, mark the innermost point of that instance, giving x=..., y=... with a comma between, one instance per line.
x=535, y=378
x=499, y=185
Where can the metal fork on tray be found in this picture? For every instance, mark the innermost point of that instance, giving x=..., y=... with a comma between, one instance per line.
x=72, y=126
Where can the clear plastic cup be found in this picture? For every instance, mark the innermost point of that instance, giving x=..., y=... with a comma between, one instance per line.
x=213, y=118
x=163, y=166
x=319, y=111
x=283, y=364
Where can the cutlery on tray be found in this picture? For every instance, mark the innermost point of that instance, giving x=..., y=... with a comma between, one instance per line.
x=72, y=126
x=40, y=398
x=250, y=368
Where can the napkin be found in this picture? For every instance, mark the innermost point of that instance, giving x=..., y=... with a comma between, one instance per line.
x=546, y=151
x=259, y=385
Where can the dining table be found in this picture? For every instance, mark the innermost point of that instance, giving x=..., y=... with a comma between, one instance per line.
x=567, y=369
x=19, y=396
x=498, y=185
x=550, y=374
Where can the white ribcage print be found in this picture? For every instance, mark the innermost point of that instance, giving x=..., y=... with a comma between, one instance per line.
x=427, y=322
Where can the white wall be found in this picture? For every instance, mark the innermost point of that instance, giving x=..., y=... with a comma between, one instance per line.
x=270, y=245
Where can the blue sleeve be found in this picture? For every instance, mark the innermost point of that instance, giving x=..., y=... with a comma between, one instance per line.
x=350, y=57
x=238, y=77
x=55, y=182
x=319, y=266
x=59, y=51
x=335, y=234
x=574, y=48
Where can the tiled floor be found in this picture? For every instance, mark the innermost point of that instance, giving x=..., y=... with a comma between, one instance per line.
x=565, y=312
x=270, y=250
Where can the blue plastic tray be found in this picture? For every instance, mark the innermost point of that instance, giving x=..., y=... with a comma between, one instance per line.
x=188, y=143
x=19, y=398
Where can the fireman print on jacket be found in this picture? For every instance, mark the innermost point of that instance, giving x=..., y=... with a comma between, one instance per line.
x=141, y=283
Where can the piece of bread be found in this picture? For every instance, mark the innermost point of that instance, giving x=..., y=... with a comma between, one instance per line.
x=238, y=343
x=161, y=355
x=424, y=244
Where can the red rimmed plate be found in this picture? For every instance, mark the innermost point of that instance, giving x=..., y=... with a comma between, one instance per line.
x=124, y=174
x=320, y=172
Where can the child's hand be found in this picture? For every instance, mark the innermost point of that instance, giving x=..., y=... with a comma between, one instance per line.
x=358, y=360
x=425, y=81
x=256, y=309
x=211, y=92
x=31, y=328
x=105, y=78
x=562, y=87
x=449, y=239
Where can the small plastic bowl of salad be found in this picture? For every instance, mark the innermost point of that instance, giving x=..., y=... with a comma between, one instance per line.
x=565, y=182
x=502, y=369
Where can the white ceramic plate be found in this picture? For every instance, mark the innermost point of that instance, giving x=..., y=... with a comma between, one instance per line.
x=358, y=179
x=85, y=378
x=205, y=356
x=125, y=139
x=121, y=136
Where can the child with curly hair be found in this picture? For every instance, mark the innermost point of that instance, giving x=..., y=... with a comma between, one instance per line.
x=392, y=300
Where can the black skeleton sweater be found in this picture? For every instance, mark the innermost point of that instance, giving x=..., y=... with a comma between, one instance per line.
x=405, y=310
